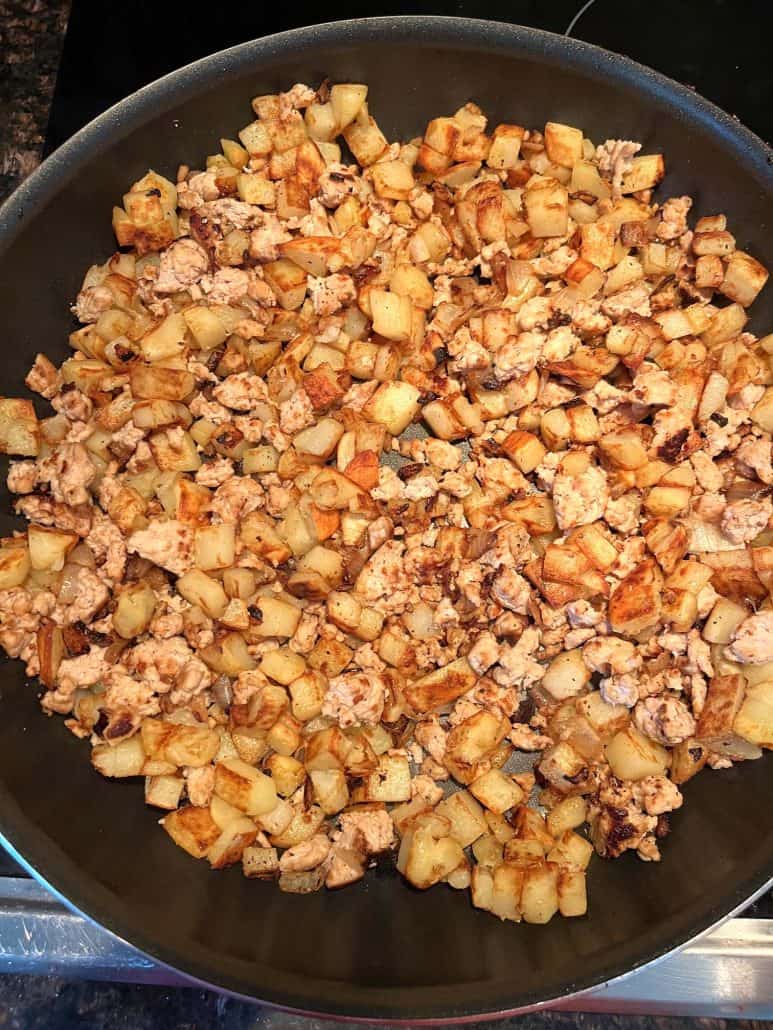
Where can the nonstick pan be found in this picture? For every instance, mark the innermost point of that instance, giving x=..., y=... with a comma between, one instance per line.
x=379, y=949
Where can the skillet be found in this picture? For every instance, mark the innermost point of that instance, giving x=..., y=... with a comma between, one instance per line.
x=379, y=950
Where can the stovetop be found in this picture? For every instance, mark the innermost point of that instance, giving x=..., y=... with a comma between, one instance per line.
x=719, y=48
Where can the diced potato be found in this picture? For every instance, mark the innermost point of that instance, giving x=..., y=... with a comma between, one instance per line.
x=723, y=701
x=393, y=180
x=572, y=894
x=48, y=548
x=134, y=609
x=303, y=825
x=744, y=278
x=687, y=759
x=163, y=791
x=392, y=314
x=566, y=675
x=440, y=687
x=346, y=100
x=19, y=427
x=394, y=404
x=282, y=665
x=632, y=756
x=571, y=850
x=215, y=546
x=365, y=140
x=465, y=816
x=563, y=144
x=723, y=620
x=260, y=863
x=602, y=716
x=228, y=656
x=204, y=325
x=505, y=146
x=646, y=171
x=119, y=760
x=539, y=894
x=425, y=859
x=546, y=203
x=244, y=787
x=14, y=563
x=568, y=814
x=330, y=790
x=200, y=589
x=497, y=791
x=192, y=829
x=230, y=845
x=278, y=618
x=390, y=782
x=166, y=383
x=287, y=773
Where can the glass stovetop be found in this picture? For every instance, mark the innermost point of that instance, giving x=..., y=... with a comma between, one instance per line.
x=718, y=47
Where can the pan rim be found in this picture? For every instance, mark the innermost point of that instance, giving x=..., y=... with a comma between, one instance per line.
x=26, y=840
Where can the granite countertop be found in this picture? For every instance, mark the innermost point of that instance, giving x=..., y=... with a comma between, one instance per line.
x=31, y=37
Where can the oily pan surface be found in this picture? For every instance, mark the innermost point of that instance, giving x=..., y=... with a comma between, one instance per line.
x=380, y=948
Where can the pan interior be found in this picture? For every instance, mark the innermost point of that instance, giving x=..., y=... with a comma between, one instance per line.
x=378, y=949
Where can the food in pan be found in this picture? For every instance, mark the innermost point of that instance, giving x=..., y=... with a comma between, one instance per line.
x=364, y=479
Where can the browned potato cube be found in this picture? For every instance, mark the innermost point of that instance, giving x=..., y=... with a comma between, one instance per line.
x=193, y=829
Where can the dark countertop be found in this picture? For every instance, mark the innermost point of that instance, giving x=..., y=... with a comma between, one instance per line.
x=31, y=36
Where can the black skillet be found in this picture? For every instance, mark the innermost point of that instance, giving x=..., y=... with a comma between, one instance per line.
x=380, y=949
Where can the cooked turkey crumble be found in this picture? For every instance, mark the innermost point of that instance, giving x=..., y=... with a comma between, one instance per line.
x=247, y=581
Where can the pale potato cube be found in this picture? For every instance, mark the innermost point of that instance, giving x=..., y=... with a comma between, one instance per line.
x=465, y=815
x=14, y=563
x=287, y=773
x=723, y=620
x=505, y=147
x=330, y=790
x=567, y=675
x=539, y=894
x=547, y=208
x=392, y=314
x=424, y=859
x=496, y=791
x=134, y=610
x=229, y=846
x=206, y=328
x=303, y=825
x=119, y=760
x=163, y=791
x=346, y=100
x=48, y=548
x=632, y=756
x=395, y=404
x=19, y=428
x=200, y=589
x=282, y=665
x=572, y=894
x=279, y=618
x=245, y=787
x=568, y=814
x=215, y=546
